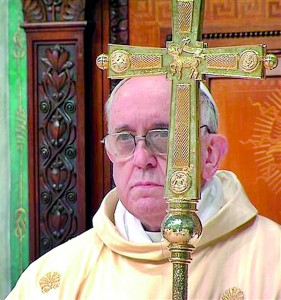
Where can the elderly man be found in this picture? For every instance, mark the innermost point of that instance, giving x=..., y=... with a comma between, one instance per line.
x=124, y=256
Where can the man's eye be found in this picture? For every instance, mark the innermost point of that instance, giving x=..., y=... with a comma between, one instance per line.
x=124, y=137
x=164, y=133
x=161, y=133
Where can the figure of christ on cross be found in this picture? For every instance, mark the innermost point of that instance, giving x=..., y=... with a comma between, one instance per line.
x=186, y=61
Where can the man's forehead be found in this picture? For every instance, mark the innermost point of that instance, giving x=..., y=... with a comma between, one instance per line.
x=146, y=84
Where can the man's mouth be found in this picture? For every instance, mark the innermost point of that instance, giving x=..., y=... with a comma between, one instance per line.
x=146, y=184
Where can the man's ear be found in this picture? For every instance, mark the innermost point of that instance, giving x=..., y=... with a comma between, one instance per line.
x=216, y=148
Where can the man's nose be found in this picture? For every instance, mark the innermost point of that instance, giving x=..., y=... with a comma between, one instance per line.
x=143, y=156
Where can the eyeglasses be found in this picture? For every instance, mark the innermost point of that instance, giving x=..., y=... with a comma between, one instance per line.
x=207, y=128
x=123, y=144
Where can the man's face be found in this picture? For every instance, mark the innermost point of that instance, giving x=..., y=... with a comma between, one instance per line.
x=140, y=105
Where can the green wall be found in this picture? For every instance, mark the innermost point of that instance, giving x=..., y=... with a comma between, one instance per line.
x=4, y=155
x=13, y=130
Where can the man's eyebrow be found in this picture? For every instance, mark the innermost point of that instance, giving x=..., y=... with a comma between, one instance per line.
x=122, y=128
x=125, y=127
x=161, y=125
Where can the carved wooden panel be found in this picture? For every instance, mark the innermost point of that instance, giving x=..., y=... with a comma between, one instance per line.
x=223, y=19
x=38, y=11
x=234, y=14
x=250, y=117
x=57, y=143
x=56, y=128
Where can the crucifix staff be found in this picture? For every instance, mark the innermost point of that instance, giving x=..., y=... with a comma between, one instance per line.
x=185, y=61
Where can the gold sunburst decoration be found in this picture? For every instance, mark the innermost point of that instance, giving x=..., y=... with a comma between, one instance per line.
x=266, y=141
x=233, y=293
x=50, y=281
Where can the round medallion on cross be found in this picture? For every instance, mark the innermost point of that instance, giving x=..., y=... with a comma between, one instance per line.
x=249, y=61
x=119, y=61
x=180, y=182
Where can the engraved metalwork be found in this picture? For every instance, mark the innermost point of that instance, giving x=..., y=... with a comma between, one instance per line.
x=181, y=61
x=249, y=61
x=185, y=11
x=119, y=61
x=180, y=273
x=270, y=61
x=222, y=61
x=50, y=281
x=180, y=182
x=145, y=61
x=182, y=229
x=102, y=61
x=233, y=293
x=182, y=127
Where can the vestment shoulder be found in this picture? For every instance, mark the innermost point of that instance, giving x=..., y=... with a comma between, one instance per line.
x=63, y=267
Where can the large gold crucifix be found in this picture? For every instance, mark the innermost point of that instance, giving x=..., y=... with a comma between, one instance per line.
x=186, y=61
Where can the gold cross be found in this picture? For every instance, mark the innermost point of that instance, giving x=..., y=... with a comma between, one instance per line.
x=186, y=61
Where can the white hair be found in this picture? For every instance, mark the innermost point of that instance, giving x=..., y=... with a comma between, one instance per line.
x=208, y=110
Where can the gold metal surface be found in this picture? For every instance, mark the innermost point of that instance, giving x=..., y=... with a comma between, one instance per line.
x=185, y=57
x=185, y=11
x=182, y=127
x=102, y=61
x=145, y=61
x=249, y=61
x=180, y=182
x=119, y=61
x=222, y=61
x=270, y=61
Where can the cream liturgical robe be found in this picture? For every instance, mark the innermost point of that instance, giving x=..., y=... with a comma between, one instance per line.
x=238, y=257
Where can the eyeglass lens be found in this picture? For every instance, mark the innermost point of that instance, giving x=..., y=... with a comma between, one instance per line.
x=123, y=144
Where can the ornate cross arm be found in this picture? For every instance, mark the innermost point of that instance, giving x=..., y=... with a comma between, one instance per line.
x=128, y=61
x=242, y=61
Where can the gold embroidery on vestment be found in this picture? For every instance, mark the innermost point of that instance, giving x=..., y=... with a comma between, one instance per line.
x=233, y=293
x=50, y=281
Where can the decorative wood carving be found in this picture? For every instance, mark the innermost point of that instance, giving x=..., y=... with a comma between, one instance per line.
x=118, y=14
x=53, y=10
x=56, y=100
x=119, y=34
x=251, y=34
x=254, y=146
x=223, y=19
x=57, y=145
